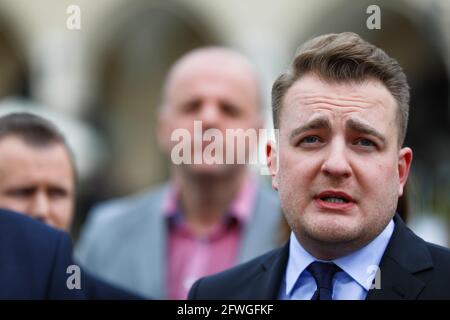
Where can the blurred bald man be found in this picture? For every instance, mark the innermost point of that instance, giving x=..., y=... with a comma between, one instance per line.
x=208, y=217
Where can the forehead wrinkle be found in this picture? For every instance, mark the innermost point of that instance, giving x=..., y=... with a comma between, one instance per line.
x=335, y=100
x=312, y=85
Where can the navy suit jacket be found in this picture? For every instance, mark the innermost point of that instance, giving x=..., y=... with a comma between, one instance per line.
x=410, y=269
x=33, y=263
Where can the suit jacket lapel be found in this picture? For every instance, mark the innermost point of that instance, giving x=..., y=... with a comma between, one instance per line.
x=147, y=248
x=405, y=256
x=267, y=286
x=264, y=220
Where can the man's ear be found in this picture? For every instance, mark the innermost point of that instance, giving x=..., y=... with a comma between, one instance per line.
x=272, y=162
x=405, y=157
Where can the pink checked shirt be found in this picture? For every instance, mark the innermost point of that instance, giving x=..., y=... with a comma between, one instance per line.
x=190, y=257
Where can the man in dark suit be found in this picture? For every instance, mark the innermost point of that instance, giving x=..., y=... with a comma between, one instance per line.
x=340, y=168
x=36, y=263
x=37, y=178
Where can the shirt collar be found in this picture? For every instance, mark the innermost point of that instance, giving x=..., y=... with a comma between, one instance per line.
x=242, y=205
x=359, y=265
x=169, y=204
x=299, y=260
x=240, y=208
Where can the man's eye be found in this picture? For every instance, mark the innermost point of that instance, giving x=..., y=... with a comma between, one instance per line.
x=191, y=106
x=230, y=109
x=57, y=193
x=365, y=143
x=310, y=139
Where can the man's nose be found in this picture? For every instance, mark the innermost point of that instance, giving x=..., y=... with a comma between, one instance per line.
x=336, y=163
x=210, y=115
x=40, y=207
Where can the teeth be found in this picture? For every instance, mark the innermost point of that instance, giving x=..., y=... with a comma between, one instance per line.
x=334, y=200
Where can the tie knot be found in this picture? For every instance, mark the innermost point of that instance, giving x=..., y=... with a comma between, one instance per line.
x=323, y=273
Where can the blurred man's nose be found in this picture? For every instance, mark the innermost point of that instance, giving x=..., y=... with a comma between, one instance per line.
x=210, y=115
x=336, y=163
x=40, y=206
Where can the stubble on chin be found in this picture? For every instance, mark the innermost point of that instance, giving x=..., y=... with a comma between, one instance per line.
x=329, y=237
x=329, y=228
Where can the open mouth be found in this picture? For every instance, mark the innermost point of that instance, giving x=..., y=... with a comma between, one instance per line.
x=334, y=199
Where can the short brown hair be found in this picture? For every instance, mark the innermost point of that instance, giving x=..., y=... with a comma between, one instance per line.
x=345, y=57
x=35, y=131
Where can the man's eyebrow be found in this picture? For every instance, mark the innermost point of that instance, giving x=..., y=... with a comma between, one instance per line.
x=318, y=123
x=25, y=188
x=356, y=125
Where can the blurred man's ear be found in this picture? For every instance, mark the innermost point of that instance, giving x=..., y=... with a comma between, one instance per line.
x=272, y=162
x=404, y=165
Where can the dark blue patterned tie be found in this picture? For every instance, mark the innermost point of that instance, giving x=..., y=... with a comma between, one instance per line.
x=323, y=274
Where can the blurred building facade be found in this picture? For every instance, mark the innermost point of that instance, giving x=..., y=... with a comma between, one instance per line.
x=108, y=74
